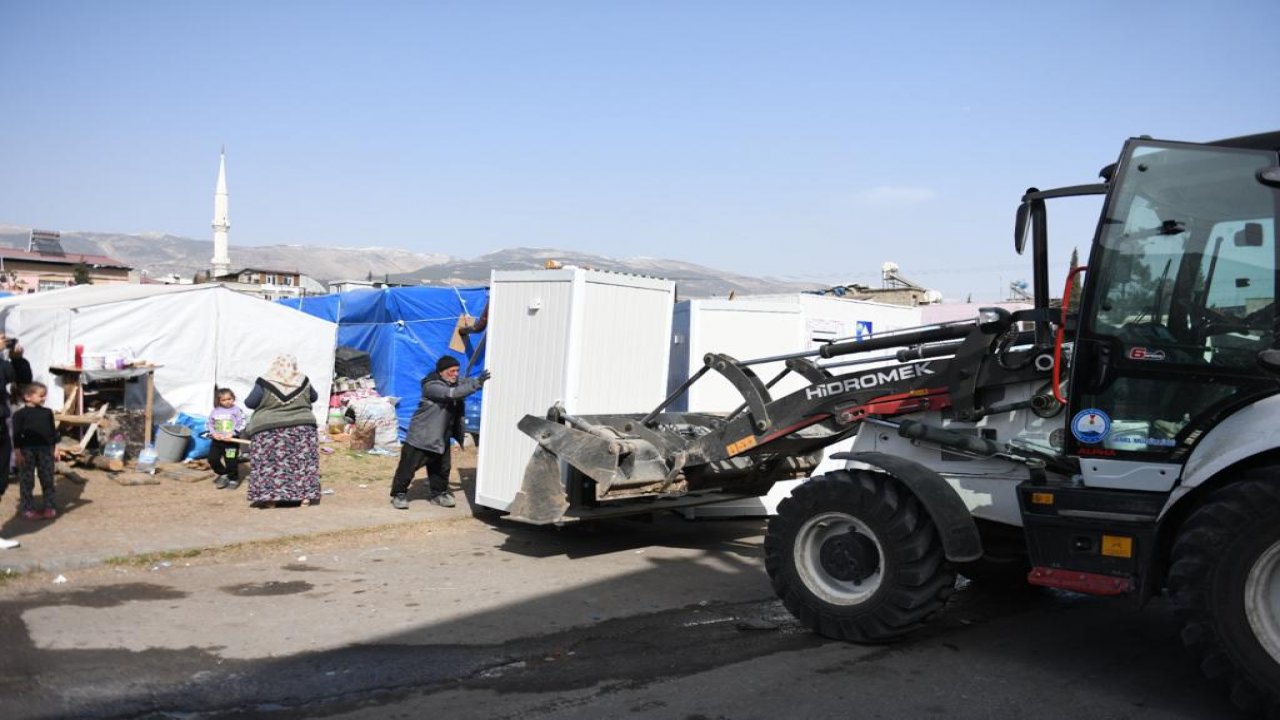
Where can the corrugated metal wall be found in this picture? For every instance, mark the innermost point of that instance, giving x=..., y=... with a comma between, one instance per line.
x=625, y=325
x=526, y=351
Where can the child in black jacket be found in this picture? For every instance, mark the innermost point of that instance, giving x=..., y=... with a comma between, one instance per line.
x=35, y=443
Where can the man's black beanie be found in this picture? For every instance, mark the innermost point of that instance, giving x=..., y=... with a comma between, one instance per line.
x=445, y=362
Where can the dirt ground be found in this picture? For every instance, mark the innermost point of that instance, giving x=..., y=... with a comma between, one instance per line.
x=103, y=521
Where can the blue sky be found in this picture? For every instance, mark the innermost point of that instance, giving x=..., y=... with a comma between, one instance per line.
x=803, y=140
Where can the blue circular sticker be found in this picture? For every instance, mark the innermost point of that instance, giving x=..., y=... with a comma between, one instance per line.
x=1090, y=426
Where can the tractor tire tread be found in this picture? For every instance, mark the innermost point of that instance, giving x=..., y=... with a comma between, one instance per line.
x=1194, y=557
x=920, y=580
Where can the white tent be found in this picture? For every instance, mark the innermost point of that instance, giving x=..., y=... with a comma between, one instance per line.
x=202, y=336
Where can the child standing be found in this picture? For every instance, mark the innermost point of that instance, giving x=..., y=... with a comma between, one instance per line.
x=225, y=422
x=35, y=448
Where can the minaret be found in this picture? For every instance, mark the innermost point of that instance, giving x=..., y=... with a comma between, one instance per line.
x=221, y=223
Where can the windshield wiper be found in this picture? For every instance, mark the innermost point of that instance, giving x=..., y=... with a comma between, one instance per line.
x=1155, y=308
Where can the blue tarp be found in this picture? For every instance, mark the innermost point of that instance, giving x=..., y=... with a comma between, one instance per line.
x=404, y=330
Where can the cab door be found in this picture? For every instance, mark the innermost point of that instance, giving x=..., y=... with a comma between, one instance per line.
x=1179, y=301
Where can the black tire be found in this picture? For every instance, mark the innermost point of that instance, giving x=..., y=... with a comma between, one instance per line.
x=1226, y=558
x=837, y=528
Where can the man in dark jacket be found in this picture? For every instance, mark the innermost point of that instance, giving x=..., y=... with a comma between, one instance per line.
x=438, y=418
x=7, y=380
x=9, y=384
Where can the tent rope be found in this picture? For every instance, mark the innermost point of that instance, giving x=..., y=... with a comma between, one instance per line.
x=450, y=320
x=461, y=301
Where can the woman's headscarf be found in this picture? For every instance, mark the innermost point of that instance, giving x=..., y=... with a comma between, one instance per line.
x=284, y=373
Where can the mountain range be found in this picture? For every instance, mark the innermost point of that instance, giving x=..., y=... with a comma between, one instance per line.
x=161, y=254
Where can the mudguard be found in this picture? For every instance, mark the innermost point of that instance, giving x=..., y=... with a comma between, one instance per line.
x=960, y=539
x=1247, y=432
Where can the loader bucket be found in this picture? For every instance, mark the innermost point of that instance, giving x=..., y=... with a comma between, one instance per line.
x=608, y=460
x=541, y=500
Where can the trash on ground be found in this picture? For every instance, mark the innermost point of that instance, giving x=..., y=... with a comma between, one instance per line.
x=60, y=580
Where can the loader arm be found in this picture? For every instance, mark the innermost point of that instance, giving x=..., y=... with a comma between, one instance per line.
x=601, y=464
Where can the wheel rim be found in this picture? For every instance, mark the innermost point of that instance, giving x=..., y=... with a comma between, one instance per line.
x=1262, y=600
x=839, y=559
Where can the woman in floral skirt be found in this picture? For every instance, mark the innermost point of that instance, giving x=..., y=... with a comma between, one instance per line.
x=285, y=456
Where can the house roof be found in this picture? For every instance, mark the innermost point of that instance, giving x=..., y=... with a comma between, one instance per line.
x=68, y=259
x=234, y=273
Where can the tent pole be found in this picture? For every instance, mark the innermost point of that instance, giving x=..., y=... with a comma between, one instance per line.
x=146, y=426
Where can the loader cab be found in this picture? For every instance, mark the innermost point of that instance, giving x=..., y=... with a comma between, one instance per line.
x=1178, y=306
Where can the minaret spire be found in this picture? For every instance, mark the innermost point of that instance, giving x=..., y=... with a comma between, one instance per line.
x=221, y=222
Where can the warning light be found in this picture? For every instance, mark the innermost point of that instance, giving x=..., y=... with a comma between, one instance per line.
x=1118, y=546
x=1041, y=498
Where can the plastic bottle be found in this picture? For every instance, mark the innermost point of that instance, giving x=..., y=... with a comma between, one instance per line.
x=337, y=416
x=114, y=449
x=147, y=459
x=471, y=412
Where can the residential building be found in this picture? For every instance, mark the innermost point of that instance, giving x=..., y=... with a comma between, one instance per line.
x=29, y=271
x=271, y=284
x=895, y=290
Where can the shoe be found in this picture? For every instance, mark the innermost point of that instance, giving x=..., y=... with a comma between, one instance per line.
x=49, y=513
x=443, y=499
x=221, y=482
x=233, y=484
x=400, y=502
x=9, y=544
x=31, y=515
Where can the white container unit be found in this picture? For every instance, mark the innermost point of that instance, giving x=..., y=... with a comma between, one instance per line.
x=594, y=341
x=828, y=317
x=821, y=318
x=742, y=330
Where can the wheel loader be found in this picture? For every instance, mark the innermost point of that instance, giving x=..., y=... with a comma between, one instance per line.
x=1122, y=443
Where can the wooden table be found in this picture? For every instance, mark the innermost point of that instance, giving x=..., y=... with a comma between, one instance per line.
x=73, y=381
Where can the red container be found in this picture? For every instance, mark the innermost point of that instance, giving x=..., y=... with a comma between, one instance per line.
x=79, y=356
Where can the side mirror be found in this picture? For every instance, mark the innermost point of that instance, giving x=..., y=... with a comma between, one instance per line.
x=1021, y=226
x=993, y=320
x=1270, y=176
x=1269, y=360
x=1250, y=236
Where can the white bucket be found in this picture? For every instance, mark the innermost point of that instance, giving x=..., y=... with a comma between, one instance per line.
x=94, y=361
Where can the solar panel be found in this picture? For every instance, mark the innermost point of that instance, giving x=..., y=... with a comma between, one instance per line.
x=46, y=242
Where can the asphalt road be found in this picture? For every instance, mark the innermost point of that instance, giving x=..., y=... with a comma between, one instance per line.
x=672, y=619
